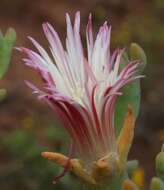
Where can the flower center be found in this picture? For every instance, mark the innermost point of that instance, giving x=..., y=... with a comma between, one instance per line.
x=78, y=94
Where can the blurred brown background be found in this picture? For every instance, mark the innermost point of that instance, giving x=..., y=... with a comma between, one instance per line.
x=27, y=125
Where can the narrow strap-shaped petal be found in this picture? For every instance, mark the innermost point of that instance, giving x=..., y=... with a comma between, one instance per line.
x=89, y=37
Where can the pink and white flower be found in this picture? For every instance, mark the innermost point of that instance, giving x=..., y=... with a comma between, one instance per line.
x=82, y=90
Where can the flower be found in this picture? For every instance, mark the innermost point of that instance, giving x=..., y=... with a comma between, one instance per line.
x=82, y=90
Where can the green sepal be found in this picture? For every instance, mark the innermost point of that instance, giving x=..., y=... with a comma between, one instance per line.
x=6, y=46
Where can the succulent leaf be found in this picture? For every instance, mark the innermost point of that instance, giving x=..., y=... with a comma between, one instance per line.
x=160, y=165
x=156, y=184
x=131, y=166
x=6, y=45
x=137, y=53
x=131, y=92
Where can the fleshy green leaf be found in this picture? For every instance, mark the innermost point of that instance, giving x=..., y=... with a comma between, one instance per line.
x=6, y=45
x=160, y=164
x=131, y=92
x=131, y=166
x=137, y=53
x=156, y=184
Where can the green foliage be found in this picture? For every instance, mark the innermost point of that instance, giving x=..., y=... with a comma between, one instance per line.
x=26, y=168
x=132, y=165
x=137, y=53
x=131, y=93
x=156, y=184
x=6, y=45
x=27, y=163
x=160, y=165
